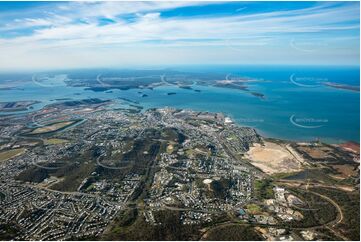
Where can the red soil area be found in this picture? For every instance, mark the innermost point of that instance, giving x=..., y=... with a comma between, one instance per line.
x=353, y=146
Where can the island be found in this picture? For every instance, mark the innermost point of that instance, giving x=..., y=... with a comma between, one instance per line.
x=342, y=86
x=16, y=106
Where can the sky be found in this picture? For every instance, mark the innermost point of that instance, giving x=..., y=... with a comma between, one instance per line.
x=58, y=35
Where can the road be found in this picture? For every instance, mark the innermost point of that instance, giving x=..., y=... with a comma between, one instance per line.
x=340, y=216
x=338, y=220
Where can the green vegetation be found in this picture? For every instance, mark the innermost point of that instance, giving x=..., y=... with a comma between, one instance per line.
x=316, y=211
x=325, y=234
x=73, y=174
x=170, y=228
x=173, y=134
x=350, y=206
x=54, y=141
x=314, y=175
x=253, y=208
x=125, y=218
x=33, y=174
x=233, y=232
x=283, y=175
x=8, y=231
x=52, y=127
x=263, y=189
x=220, y=187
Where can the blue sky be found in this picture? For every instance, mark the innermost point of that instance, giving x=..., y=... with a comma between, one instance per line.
x=53, y=35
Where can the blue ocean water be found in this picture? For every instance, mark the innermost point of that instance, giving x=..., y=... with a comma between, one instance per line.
x=297, y=106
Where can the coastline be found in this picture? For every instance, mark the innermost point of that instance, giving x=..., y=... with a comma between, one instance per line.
x=278, y=104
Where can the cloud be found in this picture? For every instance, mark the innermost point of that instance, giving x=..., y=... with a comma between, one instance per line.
x=74, y=28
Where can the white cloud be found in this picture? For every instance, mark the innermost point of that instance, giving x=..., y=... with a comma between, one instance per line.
x=64, y=37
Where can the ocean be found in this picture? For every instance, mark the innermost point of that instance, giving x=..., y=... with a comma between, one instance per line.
x=297, y=105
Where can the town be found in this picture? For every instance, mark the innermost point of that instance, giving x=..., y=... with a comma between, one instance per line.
x=69, y=169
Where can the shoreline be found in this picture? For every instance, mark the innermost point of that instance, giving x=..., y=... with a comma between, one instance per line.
x=262, y=132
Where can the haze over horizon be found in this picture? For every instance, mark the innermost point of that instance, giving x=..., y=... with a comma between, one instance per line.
x=58, y=35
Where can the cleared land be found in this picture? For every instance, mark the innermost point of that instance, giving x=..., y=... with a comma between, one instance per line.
x=351, y=146
x=272, y=158
x=51, y=127
x=55, y=141
x=316, y=152
x=345, y=170
x=5, y=155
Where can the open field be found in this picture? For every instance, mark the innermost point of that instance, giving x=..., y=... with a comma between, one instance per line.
x=8, y=154
x=351, y=146
x=253, y=209
x=263, y=189
x=54, y=141
x=272, y=158
x=325, y=153
x=316, y=152
x=345, y=170
x=51, y=127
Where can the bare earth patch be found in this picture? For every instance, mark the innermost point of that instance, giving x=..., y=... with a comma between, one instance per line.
x=54, y=141
x=272, y=158
x=345, y=170
x=8, y=154
x=316, y=152
x=51, y=127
